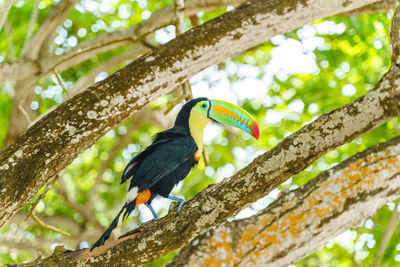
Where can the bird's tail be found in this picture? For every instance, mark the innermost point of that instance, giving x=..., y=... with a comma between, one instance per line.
x=128, y=208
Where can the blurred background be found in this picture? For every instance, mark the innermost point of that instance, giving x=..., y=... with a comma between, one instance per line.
x=285, y=83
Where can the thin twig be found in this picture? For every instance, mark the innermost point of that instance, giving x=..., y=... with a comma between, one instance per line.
x=51, y=228
x=387, y=235
x=206, y=158
x=8, y=31
x=179, y=8
x=42, y=195
x=26, y=115
x=4, y=9
x=187, y=91
x=83, y=211
x=60, y=82
x=122, y=142
x=179, y=16
x=176, y=102
x=32, y=22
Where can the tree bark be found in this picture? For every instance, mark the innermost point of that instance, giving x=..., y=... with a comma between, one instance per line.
x=380, y=6
x=302, y=221
x=53, y=142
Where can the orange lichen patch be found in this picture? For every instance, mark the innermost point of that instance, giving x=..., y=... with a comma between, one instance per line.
x=286, y=206
x=265, y=220
x=221, y=245
x=249, y=233
x=143, y=196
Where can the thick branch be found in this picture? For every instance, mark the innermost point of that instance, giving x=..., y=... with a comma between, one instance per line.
x=302, y=221
x=381, y=6
x=11, y=70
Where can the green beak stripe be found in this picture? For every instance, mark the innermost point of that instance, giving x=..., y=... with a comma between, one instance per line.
x=227, y=113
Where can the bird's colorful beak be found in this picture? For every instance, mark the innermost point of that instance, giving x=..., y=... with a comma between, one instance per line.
x=227, y=113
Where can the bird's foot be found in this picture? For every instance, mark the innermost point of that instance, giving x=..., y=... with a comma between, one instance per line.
x=152, y=212
x=179, y=200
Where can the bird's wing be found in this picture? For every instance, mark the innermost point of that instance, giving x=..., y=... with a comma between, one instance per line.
x=134, y=163
x=162, y=160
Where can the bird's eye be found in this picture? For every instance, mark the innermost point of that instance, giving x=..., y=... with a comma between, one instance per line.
x=204, y=105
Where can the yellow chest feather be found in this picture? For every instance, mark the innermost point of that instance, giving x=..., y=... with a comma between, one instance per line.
x=197, y=123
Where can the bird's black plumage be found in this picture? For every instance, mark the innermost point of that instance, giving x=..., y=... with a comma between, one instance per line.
x=168, y=162
x=161, y=165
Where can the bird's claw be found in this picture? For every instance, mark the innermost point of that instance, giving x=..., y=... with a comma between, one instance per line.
x=180, y=205
x=179, y=200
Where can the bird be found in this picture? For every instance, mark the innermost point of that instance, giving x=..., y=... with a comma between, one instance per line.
x=173, y=153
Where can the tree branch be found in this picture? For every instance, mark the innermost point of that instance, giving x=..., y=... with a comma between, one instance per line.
x=380, y=6
x=47, y=226
x=302, y=221
x=85, y=213
x=115, y=61
x=31, y=25
x=9, y=31
x=387, y=235
x=47, y=188
x=56, y=15
x=4, y=9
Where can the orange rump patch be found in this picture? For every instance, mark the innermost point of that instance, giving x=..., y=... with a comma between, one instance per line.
x=143, y=196
x=197, y=155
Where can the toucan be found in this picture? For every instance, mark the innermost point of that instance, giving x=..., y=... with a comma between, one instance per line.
x=173, y=153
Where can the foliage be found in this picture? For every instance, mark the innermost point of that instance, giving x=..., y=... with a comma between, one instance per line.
x=346, y=57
